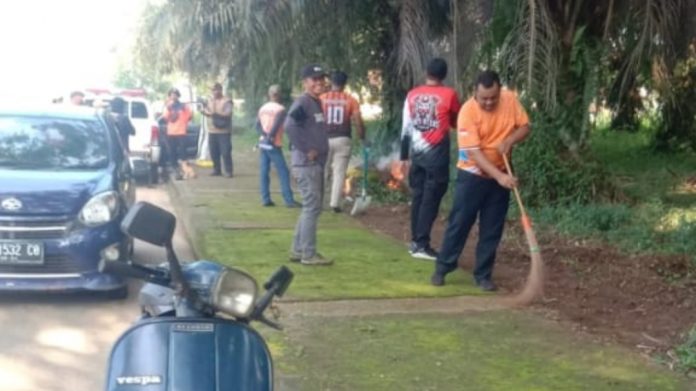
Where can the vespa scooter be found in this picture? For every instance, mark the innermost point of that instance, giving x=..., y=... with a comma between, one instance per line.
x=194, y=333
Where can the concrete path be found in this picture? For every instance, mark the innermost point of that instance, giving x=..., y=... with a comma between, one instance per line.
x=61, y=343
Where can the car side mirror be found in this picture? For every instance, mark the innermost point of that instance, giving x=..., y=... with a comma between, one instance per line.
x=149, y=223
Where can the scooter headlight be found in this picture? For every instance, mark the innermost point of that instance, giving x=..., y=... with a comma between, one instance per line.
x=234, y=293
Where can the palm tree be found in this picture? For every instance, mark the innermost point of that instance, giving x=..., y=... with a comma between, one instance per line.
x=554, y=52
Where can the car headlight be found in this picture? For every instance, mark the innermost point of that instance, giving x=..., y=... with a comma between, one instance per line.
x=234, y=293
x=100, y=209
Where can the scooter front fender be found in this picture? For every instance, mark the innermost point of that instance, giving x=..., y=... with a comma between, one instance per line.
x=190, y=354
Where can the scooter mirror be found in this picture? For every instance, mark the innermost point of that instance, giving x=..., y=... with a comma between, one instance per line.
x=149, y=223
x=280, y=280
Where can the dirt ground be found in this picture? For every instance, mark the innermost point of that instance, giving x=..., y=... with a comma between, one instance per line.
x=617, y=296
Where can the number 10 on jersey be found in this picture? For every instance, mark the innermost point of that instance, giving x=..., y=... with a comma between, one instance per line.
x=335, y=114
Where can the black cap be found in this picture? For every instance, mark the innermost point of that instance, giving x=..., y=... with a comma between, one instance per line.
x=312, y=70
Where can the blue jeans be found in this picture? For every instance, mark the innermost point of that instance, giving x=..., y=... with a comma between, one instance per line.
x=474, y=197
x=275, y=156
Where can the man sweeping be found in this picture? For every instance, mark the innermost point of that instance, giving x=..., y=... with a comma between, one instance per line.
x=488, y=126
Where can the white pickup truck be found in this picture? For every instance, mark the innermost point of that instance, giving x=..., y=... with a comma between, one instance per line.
x=145, y=149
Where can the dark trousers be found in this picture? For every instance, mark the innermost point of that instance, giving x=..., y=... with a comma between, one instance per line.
x=221, y=147
x=428, y=185
x=176, y=149
x=474, y=196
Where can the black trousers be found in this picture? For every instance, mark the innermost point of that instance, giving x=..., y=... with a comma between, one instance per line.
x=176, y=149
x=428, y=186
x=474, y=196
x=220, y=145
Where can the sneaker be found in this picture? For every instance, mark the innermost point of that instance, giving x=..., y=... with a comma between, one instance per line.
x=425, y=253
x=269, y=203
x=295, y=257
x=412, y=248
x=316, y=260
x=215, y=173
x=487, y=285
x=437, y=279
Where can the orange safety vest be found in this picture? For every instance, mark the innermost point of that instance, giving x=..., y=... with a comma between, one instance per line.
x=177, y=121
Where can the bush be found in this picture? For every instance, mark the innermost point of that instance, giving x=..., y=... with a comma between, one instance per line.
x=639, y=228
x=686, y=352
x=550, y=172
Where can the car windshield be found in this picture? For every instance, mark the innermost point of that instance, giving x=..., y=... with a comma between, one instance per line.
x=52, y=143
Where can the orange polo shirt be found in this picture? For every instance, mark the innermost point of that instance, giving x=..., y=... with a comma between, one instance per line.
x=483, y=130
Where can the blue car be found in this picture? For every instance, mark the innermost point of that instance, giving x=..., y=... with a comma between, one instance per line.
x=65, y=185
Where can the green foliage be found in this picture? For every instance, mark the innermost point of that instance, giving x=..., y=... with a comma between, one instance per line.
x=550, y=173
x=678, y=128
x=686, y=353
x=381, y=193
x=155, y=85
x=648, y=227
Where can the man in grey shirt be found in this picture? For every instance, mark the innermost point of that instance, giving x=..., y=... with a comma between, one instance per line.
x=306, y=128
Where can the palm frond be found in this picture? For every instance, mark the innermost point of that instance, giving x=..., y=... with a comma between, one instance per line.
x=529, y=56
x=659, y=21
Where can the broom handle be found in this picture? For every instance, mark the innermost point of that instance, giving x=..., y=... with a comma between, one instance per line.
x=517, y=193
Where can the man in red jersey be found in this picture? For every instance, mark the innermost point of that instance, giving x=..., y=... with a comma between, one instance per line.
x=341, y=111
x=430, y=111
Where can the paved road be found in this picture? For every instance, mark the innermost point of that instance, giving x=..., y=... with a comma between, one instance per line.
x=52, y=343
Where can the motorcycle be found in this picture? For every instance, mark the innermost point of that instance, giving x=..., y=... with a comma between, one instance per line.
x=194, y=332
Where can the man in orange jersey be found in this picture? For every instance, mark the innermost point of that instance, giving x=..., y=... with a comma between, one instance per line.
x=177, y=115
x=430, y=111
x=488, y=126
x=341, y=111
x=269, y=125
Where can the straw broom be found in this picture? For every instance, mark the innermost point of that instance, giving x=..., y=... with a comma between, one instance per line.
x=534, y=286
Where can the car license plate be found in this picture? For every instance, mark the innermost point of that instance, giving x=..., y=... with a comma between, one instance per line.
x=21, y=252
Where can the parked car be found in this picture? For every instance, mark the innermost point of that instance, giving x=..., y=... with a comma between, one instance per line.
x=65, y=185
x=144, y=146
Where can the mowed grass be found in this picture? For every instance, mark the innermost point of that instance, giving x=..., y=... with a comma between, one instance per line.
x=245, y=210
x=493, y=351
x=367, y=264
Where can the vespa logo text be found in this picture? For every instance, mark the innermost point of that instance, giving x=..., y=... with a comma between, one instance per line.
x=138, y=380
x=11, y=204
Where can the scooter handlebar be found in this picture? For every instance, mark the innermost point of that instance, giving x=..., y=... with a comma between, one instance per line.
x=128, y=269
